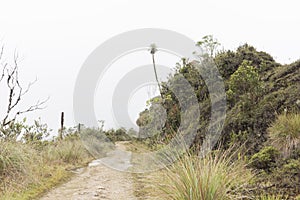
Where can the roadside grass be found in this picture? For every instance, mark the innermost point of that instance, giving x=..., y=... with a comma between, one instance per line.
x=137, y=146
x=217, y=176
x=145, y=184
x=28, y=171
x=54, y=177
x=67, y=152
x=220, y=175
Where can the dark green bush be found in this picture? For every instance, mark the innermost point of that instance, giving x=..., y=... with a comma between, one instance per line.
x=265, y=159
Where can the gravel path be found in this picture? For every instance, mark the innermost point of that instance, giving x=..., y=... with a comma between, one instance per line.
x=97, y=182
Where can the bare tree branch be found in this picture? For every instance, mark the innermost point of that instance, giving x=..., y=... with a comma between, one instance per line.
x=38, y=106
x=28, y=86
x=16, y=92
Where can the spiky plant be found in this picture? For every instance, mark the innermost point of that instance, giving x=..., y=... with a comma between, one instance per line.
x=285, y=132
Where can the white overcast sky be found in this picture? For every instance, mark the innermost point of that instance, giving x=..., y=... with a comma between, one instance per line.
x=55, y=37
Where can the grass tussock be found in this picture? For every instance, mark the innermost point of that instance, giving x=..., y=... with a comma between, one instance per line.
x=70, y=152
x=16, y=161
x=27, y=171
x=285, y=132
x=217, y=176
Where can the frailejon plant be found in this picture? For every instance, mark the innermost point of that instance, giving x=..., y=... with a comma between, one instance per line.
x=153, y=50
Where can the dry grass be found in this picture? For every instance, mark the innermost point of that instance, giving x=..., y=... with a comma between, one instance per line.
x=70, y=152
x=285, y=133
x=26, y=172
x=17, y=162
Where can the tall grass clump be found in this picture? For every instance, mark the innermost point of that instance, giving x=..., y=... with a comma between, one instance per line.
x=27, y=170
x=68, y=151
x=19, y=164
x=217, y=176
x=285, y=132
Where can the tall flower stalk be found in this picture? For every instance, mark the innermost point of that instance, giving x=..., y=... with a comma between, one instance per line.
x=153, y=50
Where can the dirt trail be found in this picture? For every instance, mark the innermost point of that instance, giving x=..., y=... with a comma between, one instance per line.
x=96, y=182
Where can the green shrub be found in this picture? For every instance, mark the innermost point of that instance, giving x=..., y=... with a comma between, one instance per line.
x=271, y=197
x=245, y=80
x=265, y=159
x=292, y=167
x=287, y=177
x=117, y=135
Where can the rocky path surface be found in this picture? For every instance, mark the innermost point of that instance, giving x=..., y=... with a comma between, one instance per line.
x=97, y=181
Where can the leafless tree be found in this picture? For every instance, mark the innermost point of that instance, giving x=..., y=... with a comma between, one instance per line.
x=16, y=91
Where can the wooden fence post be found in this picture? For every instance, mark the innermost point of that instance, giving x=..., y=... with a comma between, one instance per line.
x=62, y=120
x=79, y=128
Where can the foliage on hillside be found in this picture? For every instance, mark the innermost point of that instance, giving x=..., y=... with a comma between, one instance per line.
x=258, y=91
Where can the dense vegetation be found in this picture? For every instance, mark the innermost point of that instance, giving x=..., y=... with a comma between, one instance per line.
x=263, y=104
x=256, y=157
